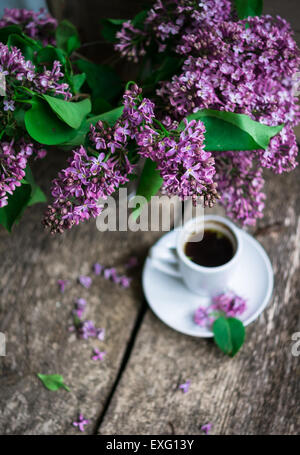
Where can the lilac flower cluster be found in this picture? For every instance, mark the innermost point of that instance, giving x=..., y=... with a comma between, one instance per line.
x=244, y=70
x=13, y=160
x=79, y=187
x=240, y=183
x=238, y=69
x=167, y=22
x=37, y=25
x=243, y=66
x=19, y=72
x=228, y=304
x=186, y=168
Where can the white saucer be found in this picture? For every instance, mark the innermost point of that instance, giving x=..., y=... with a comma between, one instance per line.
x=175, y=305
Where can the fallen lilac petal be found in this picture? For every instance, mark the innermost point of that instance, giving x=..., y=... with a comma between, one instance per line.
x=80, y=303
x=101, y=334
x=97, y=268
x=98, y=354
x=78, y=312
x=107, y=274
x=85, y=281
x=81, y=422
x=87, y=330
x=62, y=285
x=125, y=281
x=201, y=316
x=185, y=387
x=206, y=428
x=116, y=279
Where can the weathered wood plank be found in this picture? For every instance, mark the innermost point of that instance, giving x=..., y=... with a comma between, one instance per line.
x=36, y=328
x=255, y=393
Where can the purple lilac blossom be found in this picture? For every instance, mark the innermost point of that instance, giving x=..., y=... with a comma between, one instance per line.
x=80, y=305
x=206, y=428
x=227, y=66
x=98, y=355
x=62, y=285
x=166, y=22
x=81, y=423
x=87, y=330
x=240, y=183
x=185, y=387
x=186, y=168
x=228, y=304
x=22, y=73
x=37, y=25
x=13, y=159
x=97, y=268
x=78, y=188
x=203, y=317
x=85, y=281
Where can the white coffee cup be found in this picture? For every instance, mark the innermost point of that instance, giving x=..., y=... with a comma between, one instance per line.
x=205, y=281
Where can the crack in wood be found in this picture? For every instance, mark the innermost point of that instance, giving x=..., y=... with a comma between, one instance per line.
x=123, y=365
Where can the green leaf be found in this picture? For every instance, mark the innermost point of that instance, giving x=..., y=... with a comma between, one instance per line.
x=102, y=80
x=44, y=126
x=139, y=19
x=229, y=334
x=5, y=32
x=48, y=54
x=229, y=131
x=53, y=381
x=17, y=203
x=77, y=81
x=67, y=37
x=100, y=106
x=109, y=117
x=28, y=194
x=149, y=184
x=110, y=27
x=69, y=112
x=37, y=195
x=167, y=69
x=246, y=8
x=27, y=46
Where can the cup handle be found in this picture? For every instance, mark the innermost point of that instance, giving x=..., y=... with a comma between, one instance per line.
x=165, y=259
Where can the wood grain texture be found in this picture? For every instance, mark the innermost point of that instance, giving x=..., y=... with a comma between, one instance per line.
x=257, y=392
x=36, y=327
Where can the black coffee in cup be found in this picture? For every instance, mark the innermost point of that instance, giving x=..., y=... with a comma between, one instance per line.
x=215, y=249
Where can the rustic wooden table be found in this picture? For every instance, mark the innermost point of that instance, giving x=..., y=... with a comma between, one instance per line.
x=135, y=389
